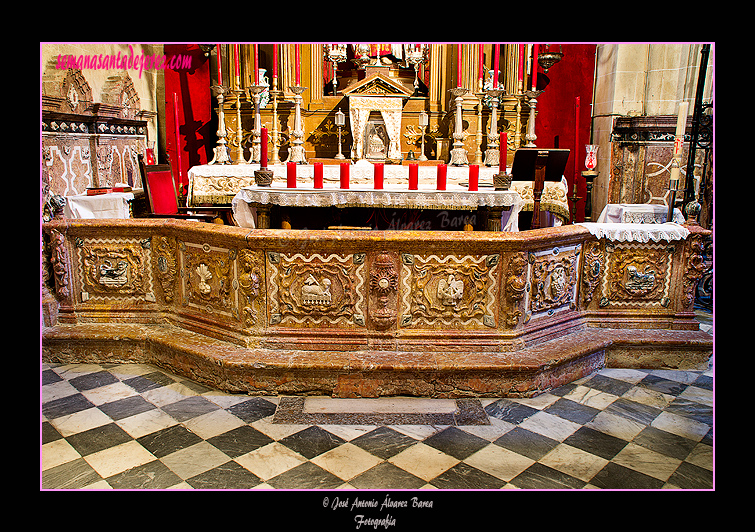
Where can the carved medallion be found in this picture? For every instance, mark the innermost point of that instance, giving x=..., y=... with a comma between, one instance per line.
x=449, y=290
x=383, y=290
x=114, y=269
x=208, y=275
x=552, y=281
x=637, y=274
x=314, y=289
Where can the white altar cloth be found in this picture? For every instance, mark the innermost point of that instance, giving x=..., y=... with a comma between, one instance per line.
x=112, y=205
x=641, y=213
x=456, y=197
x=618, y=232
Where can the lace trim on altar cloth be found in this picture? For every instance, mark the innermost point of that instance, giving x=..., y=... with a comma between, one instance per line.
x=636, y=232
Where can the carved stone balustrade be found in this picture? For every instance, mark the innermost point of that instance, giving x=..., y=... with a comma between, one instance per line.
x=370, y=313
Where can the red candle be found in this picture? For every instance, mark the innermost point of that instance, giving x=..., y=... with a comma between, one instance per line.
x=458, y=65
x=576, y=136
x=275, y=61
x=318, y=175
x=496, y=55
x=379, y=172
x=522, y=47
x=502, y=152
x=220, y=70
x=298, y=68
x=413, y=176
x=534, y=67
x=263, y=147
x=481, y=64
x=236, y=63
x=256, y=65
x=442, y=171
x=474, y=174
x=291, y=175
x=344, y=175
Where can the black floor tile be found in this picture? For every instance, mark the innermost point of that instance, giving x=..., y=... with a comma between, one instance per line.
x=50, y=377
x=49, y=433
x=312, y=441
x=465, y=477
x=608, y=385
x=659, y=384
x=691, y=409
x=383, y=442
x=252, y=410
x=126, y=407
x=572, y=411
x=65, y=406
x=305, y=477
x=169, y=440
x=527, y=443
x=189, y=408
x=71, y=475
x=386, y=476
x=596, y=442
x=230, y=475
x=665, y=443
x=542, y=477
x=153, y=475
x=511, y=411
x=90, y=381
x=632, y=410
x=690, y=476
x=455, y=442
x=615, y=476
x=240, y=441
x=149, y=381
x=98, y=439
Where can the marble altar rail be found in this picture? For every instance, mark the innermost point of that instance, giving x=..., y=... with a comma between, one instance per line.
x=368, y=313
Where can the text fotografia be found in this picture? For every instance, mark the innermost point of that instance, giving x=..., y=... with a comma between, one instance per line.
x=126, y=61
x=360, y=520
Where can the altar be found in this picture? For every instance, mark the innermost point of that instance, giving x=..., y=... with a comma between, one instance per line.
x=234, y=185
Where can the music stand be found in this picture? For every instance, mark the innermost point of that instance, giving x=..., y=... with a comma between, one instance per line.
x=538, y=165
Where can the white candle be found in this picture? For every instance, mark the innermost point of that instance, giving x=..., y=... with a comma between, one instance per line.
x=681, y=125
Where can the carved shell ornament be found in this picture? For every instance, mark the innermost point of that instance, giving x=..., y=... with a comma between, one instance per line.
x=204, y=274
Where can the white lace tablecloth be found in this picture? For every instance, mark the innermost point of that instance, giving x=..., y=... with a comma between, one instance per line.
x=640, y=213
x=619, y=232
x=113, y=205
x=455, y=197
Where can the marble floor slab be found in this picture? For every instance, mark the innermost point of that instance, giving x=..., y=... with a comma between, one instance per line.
x=139, y=427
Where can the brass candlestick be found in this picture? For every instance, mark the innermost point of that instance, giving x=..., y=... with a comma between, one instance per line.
x=296, y=150
x=493, y=154
x=256, y=91
x=221, y=155
x=239, y=131
x=531, y=137
x=458, y=153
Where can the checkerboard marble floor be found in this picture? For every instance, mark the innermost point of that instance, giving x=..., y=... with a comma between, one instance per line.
x=134, y=426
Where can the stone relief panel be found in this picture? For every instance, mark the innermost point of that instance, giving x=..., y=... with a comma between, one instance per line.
x=251, y=281
x=636, y=275
x=552, y=281
x=515, y=285
x=114, y=269
x=165, y=265
x=310, y=289
x=453, y=291
x=383, y=298
x=208, y=279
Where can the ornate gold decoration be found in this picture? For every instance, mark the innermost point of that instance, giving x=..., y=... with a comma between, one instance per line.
x=251, y=276
x=112, y=268
x=60, y=265
x=553, y=280
x=592, y=269
x=637, y=274
x=326, y=129
x=315, y=289
x=516, y=283
x=450, y=290
x=384, y=290
x=694, y=269
x=164, y=260
x=208, y=278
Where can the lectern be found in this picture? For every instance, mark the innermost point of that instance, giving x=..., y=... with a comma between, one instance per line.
x=538, y=165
